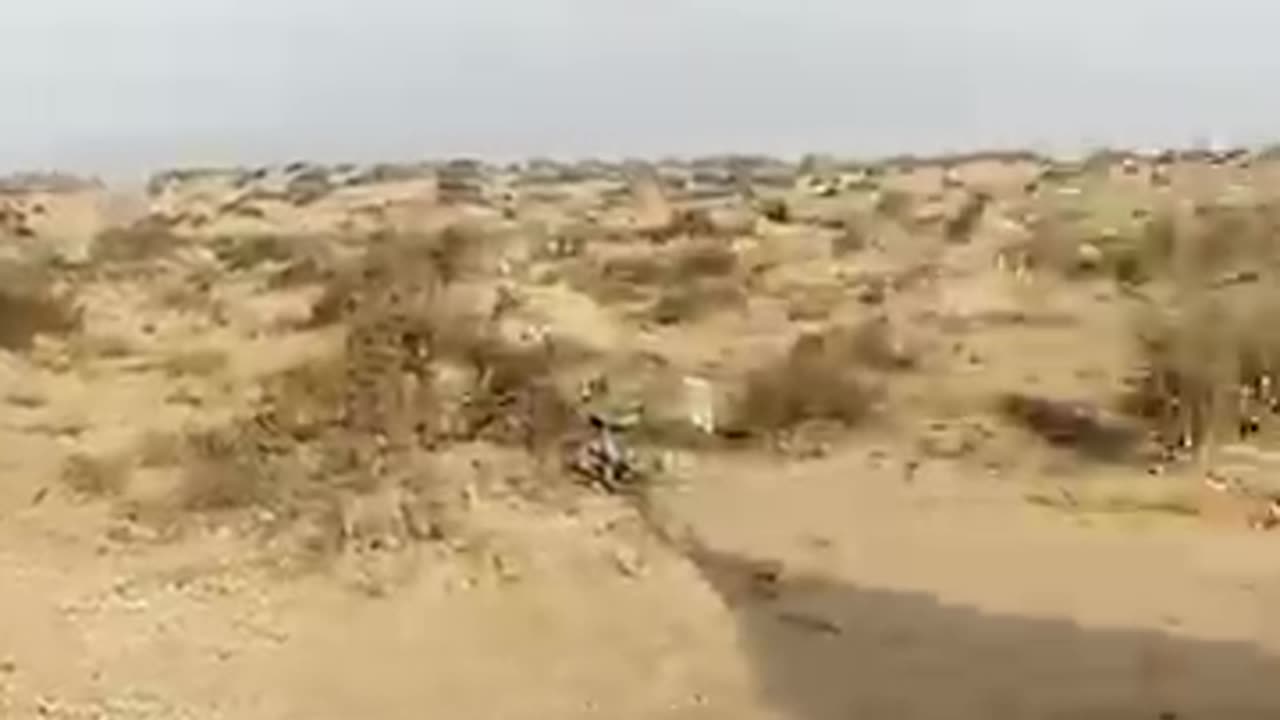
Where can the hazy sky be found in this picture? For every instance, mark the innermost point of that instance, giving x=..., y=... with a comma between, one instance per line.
x=120, y=85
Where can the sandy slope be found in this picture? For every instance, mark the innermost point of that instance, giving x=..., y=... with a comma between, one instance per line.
x=892, y=602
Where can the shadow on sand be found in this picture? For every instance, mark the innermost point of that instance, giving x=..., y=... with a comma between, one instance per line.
x=829, y=651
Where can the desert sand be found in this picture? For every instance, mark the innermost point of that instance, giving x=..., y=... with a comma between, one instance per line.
x=972, y=437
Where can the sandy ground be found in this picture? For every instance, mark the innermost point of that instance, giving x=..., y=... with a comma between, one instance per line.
x=897, y=570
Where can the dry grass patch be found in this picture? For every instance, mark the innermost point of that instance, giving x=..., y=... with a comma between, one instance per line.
x=677, y=281
x=408, y=264
x=694, y=260
x=156, y=449
x=239, y=254
x=892, y=204
x=819, y=379
x=1204, y=244
x=196, y=362
x=96, y=475
x=33, y=304
x=1173, y=504
x=1209, y=366
x=775, y=210
x=853, y=237
x=690, y=302
x=1209, y=349
x=959, y=226
x=140, y=242
x=877, y=344
x=426, y=365
x=223, y=471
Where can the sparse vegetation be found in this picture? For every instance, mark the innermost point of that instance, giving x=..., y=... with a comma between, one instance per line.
x=140, y=242
x=960, y=226
x=852, y=238
x=1208, y=356
x=95, y=476
x=695, y=299
x=499, y=387
x=893, y=204
x=199, y=362
x=239, y=254
x=818, y=379
x=33, y=303
x=775, y=210
x=679, y=280
x=223, y=470
x=1117, y=504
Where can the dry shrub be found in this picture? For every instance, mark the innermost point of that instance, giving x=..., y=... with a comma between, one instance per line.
x=384, y=265
x=303, y=402
x=190, y=291
x=335, y=301
x=852, y=238
x=23, y=317
x=223, y=470
x=680, y=275
x=518, y=407
x=147, y=239
x=694, y=300
x=701, y=259
x=309, y=269
x=1148, y=256
x=197, y=362
x=894, y=204
x=1209, y=365
x=87, y=347
x=812, y=303
x=308, y=452
x=1176, y=504
x=406, y=263
x=95, y=476
x=960, y=225
x=1073, y=425
x=684, y=222
x=1212, y=242
x=157, y=449
x=563, y=243
x=238, y=254
x=460, y=250
x=775, y=210
x=817, y=380
x=32, y=304
x=877, y=345
x=634, y=269
x=1225, y=239
x=1209, y=355
x=245, y=210
x=421, y=370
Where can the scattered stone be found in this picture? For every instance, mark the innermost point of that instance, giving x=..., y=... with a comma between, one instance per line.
x=909, y=470
x=505, y=568
x=810, y=622
x=628, y=562
x=1089, y=256
x=950, y=440
x=701, y=399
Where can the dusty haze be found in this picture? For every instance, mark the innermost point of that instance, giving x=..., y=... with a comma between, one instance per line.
x=121, y=86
